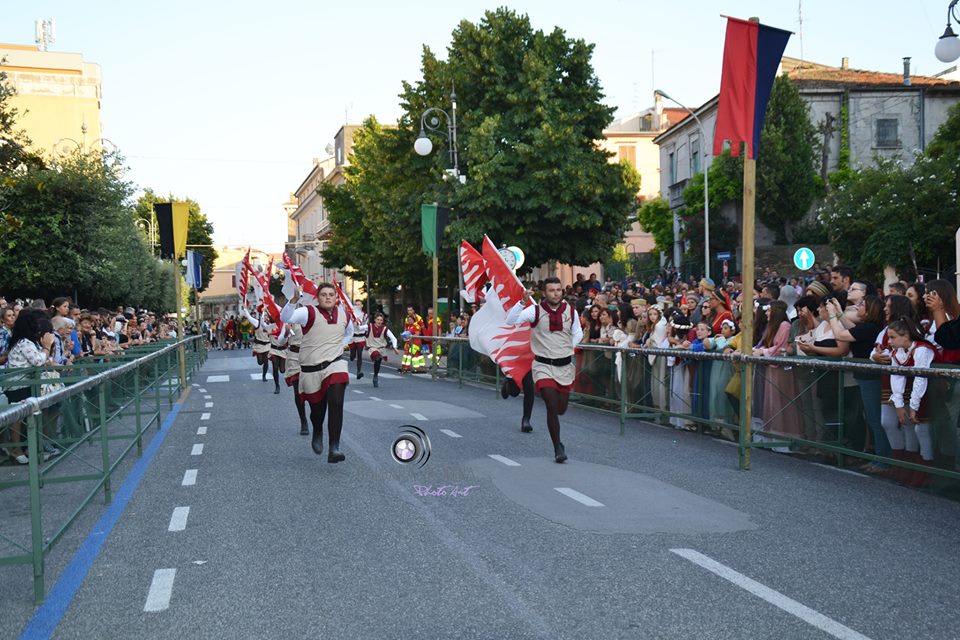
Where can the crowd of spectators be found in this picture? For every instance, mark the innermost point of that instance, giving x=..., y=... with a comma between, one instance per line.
x=36, y=336
x=829, y=315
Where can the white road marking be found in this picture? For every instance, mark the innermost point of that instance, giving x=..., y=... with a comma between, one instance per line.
x=775, y=598
x=218, y=379
x=506, y=461
x=201, y=431
x=204, y=416
x=376, y=399
x=197, y=450
x=189, y=478
x=161, y=588
x=419, y=416
x=207, y=397
x=178, y=521
x=202, y=390
x=579, y=497
x=396, y=406
x=195, y=384
x=256, y=376
x=452, y=434
x=207, y=405
x=848, y=471
x=357, y=391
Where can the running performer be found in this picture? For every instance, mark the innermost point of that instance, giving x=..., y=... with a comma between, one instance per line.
x=359, y=340
x=378, y=339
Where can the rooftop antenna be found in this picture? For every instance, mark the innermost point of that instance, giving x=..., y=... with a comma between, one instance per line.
x=46, y=32
x=800, y=19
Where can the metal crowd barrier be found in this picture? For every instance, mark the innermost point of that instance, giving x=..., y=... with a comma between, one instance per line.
x=800, y=404
x=100, y=415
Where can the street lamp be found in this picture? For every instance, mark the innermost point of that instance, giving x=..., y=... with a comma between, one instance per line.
x=430, y=121
x=706, y=184
x=948, y=47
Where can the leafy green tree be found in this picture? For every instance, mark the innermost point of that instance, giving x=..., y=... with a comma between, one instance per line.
x=199, y=229
x=726, y=185
x=529, y=113
x=787, y=179
x=656, y=218
x=78, y=235
x=897, y=216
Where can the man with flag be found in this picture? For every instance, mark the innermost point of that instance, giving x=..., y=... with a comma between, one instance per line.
x=554, y=333
x=324, y=375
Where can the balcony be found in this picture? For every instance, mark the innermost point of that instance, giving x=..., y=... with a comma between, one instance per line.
x=675, y=193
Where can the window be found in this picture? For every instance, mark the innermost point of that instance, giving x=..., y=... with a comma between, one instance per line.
x=888, y=133
x=694, y=157
x=673, y=167
x=627, y=152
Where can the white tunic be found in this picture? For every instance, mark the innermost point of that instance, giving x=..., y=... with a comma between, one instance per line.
x=550, y=344
x=322, y=341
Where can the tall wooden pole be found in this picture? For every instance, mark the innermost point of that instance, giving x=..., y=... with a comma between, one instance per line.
x=436, y=313
x=746, y=308
x=181, y=352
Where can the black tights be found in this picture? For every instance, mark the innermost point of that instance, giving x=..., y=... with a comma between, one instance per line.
x=376, y=366
x=334, y=399
x=301, y=404
x=276, y=372
x=264, y=362
x=556, y=404
x=528, y=396
x=356, y=351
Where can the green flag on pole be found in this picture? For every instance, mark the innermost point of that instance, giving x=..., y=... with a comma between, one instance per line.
x=433, y=220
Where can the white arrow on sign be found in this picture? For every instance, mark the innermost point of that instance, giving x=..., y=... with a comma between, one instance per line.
x=805, y=258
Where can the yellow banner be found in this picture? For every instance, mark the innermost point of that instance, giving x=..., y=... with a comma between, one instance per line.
x=181, y=215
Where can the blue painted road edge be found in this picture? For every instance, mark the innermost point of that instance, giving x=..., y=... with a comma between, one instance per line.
x=48, y=616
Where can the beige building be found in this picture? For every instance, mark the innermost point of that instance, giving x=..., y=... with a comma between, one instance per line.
x=58, y=97
x=308, y=225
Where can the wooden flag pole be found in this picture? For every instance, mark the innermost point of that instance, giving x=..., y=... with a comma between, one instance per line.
x=746, y=309
x=181, y=352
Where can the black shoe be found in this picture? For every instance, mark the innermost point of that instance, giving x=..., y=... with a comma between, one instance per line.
x=304, y=431
x=525, y=426
x=504, y=389
x=359, y=375
x=264, y=378
x=514, y=389
x=276, y=389
x=376, y=383
x=559, y=455
x=317, y=442
x=335, y=455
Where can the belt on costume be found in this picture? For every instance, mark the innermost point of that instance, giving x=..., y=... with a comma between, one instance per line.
x=261, y=341
x=294, y=348
x=313, y=368
x=556, y=362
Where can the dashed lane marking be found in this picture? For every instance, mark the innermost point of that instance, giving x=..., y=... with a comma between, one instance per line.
x=189, y=478
x=197, y=450
x=452, y=434
x=419, y=416
x=204, y=416
x=201, y=431
x=579, y=497
x=178, y=521
x=218, y=379
x=504, y=460
x=161, y=588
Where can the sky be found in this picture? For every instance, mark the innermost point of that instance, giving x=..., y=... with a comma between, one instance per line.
x=229, y=103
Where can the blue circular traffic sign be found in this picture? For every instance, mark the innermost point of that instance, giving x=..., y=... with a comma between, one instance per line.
x=803, y=258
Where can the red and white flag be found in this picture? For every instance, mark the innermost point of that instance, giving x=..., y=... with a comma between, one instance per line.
x=263, y=279
x=474, y=273
x=347, y=304
x=509, y=346
x=306, y=285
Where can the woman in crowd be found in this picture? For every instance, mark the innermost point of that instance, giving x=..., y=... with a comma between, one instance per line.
x=862, y=336
x=941, y=303
x=721, y=373
x=7, y=318
x=657, y=339
x=779, y=411
x=808, y=325
x=30, y=346
x=916, y=293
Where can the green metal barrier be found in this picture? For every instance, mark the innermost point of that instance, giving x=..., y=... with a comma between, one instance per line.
x=95, y=421
x=801, y=405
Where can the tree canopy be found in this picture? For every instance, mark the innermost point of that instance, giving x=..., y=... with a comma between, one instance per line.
x=529, y=113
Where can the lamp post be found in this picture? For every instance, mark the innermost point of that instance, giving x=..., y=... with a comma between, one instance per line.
x=706, y=184
x=430, y=121
x=948, y=46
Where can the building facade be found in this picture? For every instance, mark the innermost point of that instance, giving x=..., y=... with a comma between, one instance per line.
x=58, y=97
x=888, y=115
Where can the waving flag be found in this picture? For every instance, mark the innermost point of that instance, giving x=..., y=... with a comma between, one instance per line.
x=474, y=273
x=306, y=285
x=243, y=277
x=263, y=279
x=509, y=346
x=347, y=304
x=751, y=55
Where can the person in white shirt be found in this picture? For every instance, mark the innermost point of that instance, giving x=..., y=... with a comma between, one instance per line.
x=379, y=338
x=359, y=341
x=554, y=333
x=324, y=375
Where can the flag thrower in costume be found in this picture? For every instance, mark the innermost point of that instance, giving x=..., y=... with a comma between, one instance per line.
x=509, y=346
x=263, y=278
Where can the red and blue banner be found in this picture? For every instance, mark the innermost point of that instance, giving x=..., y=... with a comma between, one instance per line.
x=751, y=55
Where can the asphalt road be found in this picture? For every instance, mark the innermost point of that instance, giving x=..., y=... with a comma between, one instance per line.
x=655, y=534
